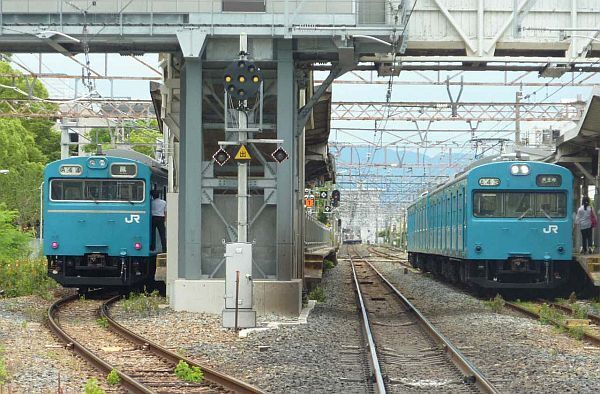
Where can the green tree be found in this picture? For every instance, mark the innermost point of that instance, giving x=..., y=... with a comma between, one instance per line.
x=14, y=244
x=19, y=189
x=98, y=136
x=32, y=93
x=143, y=135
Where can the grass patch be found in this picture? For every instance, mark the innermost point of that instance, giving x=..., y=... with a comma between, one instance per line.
x=113, y=378
x=576, y=332
x=142, y=304
x=549, y=315
x=496, y=304
x=579, y=311
x=328, y=264
x=102, y=322
x=3, y=370
x=188, y=374
x=26, y=277
x=317, y=294
x=92, y=387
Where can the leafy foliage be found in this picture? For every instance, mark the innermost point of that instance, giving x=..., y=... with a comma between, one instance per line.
x=92, y=387
x=113, y=378
x=317, y=294
x=142, y=304
x=549, y=315
x=26, y=145
x=3, y=370
x=496, y=304
x=14, y=244
x=188, y=374
x=26, y=277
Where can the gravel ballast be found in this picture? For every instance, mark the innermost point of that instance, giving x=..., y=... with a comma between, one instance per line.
x=321, y=356
x=516, y=353
x=35, y=361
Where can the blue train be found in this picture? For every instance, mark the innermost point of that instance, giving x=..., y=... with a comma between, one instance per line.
x=501, y=225
x=97, y=219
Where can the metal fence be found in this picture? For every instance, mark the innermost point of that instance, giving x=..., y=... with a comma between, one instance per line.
x=316, y=234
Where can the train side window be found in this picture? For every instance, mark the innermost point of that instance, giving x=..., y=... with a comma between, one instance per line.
x=487, y=205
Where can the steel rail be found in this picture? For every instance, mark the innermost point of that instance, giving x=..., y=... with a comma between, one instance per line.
x=472, y=373
x=374, y=360
x=210, y=375
x=594, y=318
x=534, y=315
x=126, y=381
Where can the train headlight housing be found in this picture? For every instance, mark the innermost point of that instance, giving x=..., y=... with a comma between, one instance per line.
x=519, y=169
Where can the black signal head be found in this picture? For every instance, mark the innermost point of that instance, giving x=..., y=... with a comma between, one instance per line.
x=221, y=156
x=279, y=155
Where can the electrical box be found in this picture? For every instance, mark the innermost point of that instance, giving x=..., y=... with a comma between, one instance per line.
x=238, y=258
x=238, y=261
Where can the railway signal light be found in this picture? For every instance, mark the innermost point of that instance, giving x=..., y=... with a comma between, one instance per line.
x=279, y=155
x=221, y=156
x=327, y=209
x=242, y=79
x=335, y=198
x=323, y=194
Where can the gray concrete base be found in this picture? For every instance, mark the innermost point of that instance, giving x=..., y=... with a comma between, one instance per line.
x=270, y=297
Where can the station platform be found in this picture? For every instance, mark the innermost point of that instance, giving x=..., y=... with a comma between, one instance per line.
x=590, y=263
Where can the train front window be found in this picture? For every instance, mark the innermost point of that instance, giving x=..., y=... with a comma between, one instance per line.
x=97, y=190
x=552, y=205
x=520, y=205
x=488, y=205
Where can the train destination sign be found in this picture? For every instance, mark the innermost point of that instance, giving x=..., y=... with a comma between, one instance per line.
x=72, y=170
x=489, y=182
x=123, y=170
x=545, y=180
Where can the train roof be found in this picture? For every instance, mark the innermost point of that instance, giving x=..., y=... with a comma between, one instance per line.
x=479, y=164
x=155, y=166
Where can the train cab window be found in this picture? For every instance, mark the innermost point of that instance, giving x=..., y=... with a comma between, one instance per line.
x=97, y=190
x=519, y=205
x=487, y=205
x=551, y=205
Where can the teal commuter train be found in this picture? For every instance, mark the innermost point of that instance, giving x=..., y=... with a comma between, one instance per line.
x=97, y=220
x=501, y=225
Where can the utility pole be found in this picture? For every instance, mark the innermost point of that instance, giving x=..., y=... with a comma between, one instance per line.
x=518, y=97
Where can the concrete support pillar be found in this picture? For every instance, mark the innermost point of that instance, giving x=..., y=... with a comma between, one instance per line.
x=191, y=155
x=286, y=189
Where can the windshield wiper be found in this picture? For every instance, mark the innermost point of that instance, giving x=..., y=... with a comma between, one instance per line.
x=524, y=213
x=546, y=213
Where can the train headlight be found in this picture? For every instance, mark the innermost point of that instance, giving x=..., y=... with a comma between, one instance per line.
x=54, y=245
x=519, y=169
x=137, y=246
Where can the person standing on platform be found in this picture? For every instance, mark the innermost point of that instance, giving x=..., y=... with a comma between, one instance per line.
x=159, y=217
x=586, y=219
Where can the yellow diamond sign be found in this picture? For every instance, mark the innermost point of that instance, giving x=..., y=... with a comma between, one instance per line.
x=243, y=154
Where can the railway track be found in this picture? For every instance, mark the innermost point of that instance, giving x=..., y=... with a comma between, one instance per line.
x=534, y=310
x=392, y=257
x=143, y=367
x=407, y=353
